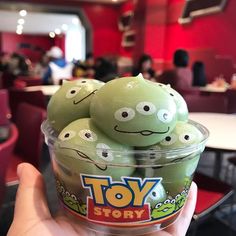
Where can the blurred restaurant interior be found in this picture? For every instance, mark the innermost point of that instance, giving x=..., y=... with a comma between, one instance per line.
x=188, y=44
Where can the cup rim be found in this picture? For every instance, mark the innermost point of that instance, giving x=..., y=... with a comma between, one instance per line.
x=51, y=138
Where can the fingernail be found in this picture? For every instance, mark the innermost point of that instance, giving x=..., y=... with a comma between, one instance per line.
x=19, y=170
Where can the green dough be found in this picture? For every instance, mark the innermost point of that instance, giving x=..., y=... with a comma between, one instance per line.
x=82, y=142
x=71, y=102
x=133, y=111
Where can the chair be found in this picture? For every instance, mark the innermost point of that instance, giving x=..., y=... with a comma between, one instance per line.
x=28, y=148
x=200, y=103
x=212, y=193
x=231, y=97
x=6, y=150
x=17, y=96
x=5, y=113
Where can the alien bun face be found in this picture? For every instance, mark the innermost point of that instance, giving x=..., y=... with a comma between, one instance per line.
x=182, y=109
x=81, y=142
x=184, y=134
x=133, y=111
x=71, y=102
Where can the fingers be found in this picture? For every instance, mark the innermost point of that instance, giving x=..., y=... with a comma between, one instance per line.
x=180, y=227
x=31, y=203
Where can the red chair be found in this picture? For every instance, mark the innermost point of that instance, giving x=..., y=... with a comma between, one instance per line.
x=198, y=103
x=6, y=150
x=5, y=113
x=17, y=96
x=231, y=97
x=28, y=148
x=212, y=193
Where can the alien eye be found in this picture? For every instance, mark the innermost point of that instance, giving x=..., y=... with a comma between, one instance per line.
x=164, y=116
x=177, y=196
x=66, y=135
x=67, y=194
x=104, y=152
x=169, y=140
x=72, y=92
x=88, y=135
x=172, y=201
x=124, y=114
x=146, y=108
x=167, y=201
x=158, y=205
x=187, y=138
x=74, y=197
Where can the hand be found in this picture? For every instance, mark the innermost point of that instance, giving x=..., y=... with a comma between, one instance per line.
x=32, y=216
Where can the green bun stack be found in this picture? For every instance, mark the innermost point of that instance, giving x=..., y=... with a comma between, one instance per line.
x=128, y=127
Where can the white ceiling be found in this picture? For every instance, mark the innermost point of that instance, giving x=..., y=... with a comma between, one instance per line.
x=40, y=23
x=35, y=23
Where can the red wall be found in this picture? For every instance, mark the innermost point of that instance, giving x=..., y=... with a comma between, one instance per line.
x=11, y=41
x=215, y=31
x=104, y=22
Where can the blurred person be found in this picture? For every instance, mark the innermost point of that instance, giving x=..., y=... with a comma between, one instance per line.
x=41, y=67
x=58, y=68
x=144, y=66
x=4, y=61
x=105, y=70
x=18, y=65
x=181, y=76
x=199, y=74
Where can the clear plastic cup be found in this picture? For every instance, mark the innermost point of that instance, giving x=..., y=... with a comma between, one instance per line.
x=149, y=198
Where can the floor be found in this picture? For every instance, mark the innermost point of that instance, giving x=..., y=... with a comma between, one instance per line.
x=214, y=226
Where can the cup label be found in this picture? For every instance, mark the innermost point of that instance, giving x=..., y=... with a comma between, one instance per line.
x=120, y=203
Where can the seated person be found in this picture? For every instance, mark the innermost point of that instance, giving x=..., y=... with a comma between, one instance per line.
x=58, y=68
x=145, y=67
x=199, y=75
x=181, y=76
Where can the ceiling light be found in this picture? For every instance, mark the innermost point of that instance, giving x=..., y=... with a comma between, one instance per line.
x=21, y=21
x=52, y=35
x=57, y=31
x=19, y=27
x=75, y=21
x=23, y=13
x=64, y=27
x=114, y=0
x=19, y=31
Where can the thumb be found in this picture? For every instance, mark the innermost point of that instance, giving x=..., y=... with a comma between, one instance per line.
x=31, y=203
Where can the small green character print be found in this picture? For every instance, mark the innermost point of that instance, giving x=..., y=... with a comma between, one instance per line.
x=163, y=209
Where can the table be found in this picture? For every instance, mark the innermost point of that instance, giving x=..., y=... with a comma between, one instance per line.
x=48, y=90
x=222, y=137
x=212, y=89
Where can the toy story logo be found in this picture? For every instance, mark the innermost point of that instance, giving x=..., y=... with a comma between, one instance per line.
x=112, y=201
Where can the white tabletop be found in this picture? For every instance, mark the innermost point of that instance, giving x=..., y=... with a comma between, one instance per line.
x=212, y=89
x=48, y=90
x=222, y=129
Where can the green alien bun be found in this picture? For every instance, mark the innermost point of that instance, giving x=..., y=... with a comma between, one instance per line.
x=71, y=102
x=84, y=149
x=133, y=111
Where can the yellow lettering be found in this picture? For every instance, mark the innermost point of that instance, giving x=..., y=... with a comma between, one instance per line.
x=116, y=214
x=139, y=213
x=107, y=212
x=140, y=194
x=128, y=214
x=96, y=185
x=97, y=211
x=119, y=196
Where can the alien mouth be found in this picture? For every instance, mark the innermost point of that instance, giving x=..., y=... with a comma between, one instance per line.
x=142, y=132
x=165, y=209
x=77, y=102
x=84, y=156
